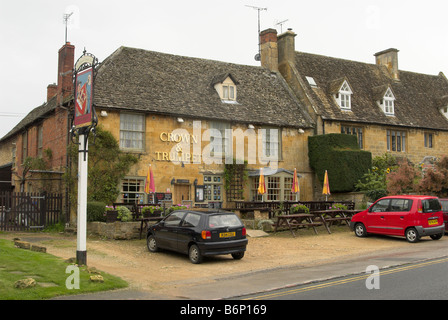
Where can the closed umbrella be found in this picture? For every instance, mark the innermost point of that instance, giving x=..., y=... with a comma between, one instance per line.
x=261, y=184
x=326, y=188
x=295, y=184
x=149, y=183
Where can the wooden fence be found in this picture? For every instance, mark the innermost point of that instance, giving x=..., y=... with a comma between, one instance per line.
x=24, y=211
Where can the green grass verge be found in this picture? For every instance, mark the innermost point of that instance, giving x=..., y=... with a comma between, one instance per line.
x=48, y=271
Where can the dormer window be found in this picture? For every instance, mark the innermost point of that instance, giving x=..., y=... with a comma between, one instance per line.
x=343, y=97
x=388, y=103
x=228, y=92
x=225, y=86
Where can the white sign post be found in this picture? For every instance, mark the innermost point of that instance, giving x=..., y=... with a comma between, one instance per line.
x=81, y=250
x=84, y=121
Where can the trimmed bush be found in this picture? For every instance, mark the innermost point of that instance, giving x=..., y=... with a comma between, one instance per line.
x=340, y=155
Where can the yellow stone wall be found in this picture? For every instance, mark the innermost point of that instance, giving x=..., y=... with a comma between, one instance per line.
x=159, y=130
x=375, y=141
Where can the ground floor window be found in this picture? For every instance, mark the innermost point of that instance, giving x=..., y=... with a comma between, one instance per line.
x=278, y=188
x=213, y=186
x=132, y=190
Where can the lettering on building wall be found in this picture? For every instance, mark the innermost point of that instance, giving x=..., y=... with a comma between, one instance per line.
x=220, y=146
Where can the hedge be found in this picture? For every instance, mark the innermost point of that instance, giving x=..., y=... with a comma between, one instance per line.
x=340, y=155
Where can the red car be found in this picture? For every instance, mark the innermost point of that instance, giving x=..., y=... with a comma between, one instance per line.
x=444, y=203
x=405, y=215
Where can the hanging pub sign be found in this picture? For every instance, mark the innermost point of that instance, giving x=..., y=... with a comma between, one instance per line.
x=83, y=98
x=83, y=87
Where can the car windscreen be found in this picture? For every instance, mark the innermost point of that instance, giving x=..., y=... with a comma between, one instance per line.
x=223, y=220
x=431, y=205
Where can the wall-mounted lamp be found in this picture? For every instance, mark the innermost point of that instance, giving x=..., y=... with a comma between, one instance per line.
x=173, y=181
x=103, y=113
x=180, y=120
x=301, y=131
x=251, y=126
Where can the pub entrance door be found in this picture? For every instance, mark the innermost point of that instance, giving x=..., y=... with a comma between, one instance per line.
x=181, y=192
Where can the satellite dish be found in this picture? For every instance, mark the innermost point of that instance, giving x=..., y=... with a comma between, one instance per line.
x=257, y=57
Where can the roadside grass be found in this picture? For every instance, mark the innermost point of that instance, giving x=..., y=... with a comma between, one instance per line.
x=48, y=271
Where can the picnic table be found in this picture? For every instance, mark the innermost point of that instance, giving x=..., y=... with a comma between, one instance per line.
x=297, y=220
x=146, y=221
x=324, y=217
x=330, y=216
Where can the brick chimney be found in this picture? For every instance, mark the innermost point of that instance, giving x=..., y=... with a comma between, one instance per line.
x=269, y=49
x=52, y=90
x=65, y=71
x=389, y=59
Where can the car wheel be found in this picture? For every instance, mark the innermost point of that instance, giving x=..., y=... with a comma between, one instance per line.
x=238, y=255
x=360, y=230
x=412, y=235
x=436, y=236
x=152, y=244
x=194, y=254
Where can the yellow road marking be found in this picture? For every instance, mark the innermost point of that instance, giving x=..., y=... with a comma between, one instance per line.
x=343, y=281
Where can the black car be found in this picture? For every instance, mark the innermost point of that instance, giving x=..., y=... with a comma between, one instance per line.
x=199, y=234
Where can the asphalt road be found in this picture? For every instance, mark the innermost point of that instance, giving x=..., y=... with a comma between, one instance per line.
x=426, y=280
x=240, y=286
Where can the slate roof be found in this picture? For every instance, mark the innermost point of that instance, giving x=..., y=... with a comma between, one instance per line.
x=36, y=114
x=418, y=96
x=146, y=81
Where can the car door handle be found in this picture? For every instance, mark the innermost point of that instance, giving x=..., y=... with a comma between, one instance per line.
x=402, y=218
x=382, y=217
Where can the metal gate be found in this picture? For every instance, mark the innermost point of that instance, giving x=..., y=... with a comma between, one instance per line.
x=23, y=211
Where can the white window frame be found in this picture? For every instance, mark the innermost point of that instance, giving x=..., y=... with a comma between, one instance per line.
x=132, y=131
x=388, y=103
x=344, y=97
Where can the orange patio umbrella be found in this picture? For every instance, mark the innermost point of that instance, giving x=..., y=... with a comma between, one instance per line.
x=295, y=184
x=326, y=188
x=261, y=184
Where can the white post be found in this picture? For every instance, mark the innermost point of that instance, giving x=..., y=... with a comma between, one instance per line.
x=81, y=250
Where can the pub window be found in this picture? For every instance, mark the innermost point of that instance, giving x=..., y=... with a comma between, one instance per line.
x=213, y=187
x=132, y=190
x=132, y=131
x=429, y=140
x=396, y=141
x=272, y=142
x=218, y=140
x=356, y=131
x=278, y=188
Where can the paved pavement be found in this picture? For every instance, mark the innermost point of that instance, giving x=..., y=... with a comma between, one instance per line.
x=232, y=287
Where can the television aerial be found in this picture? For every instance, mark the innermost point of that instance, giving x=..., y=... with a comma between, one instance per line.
x=258, y=55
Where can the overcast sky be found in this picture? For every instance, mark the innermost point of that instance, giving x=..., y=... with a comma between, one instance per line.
x=32, y=31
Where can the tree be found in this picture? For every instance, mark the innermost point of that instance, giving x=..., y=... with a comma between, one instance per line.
x=402, y=180
x=107, y=166
x=373, y=183
x=435, y=180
